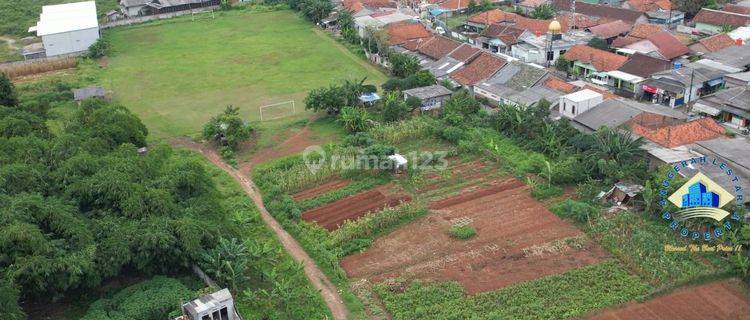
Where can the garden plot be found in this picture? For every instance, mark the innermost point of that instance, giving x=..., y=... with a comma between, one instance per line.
x=517, y=240
x=460, y=178
x=332, y=215
x=321, y=189
x=719, y=300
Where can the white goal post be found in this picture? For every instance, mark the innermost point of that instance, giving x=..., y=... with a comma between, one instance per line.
x=202, y=11
x=277, y=110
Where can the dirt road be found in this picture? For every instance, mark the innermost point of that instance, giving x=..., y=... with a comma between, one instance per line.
x=317, y=278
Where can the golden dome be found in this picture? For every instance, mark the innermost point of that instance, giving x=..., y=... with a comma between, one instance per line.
x=554, y=27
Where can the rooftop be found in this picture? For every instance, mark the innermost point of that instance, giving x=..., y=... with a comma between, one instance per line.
x=400, y=32
x=558, y=84
x=670, y=133
x=736, y=9
x=481, y=68
x=610, y=113
x=611, y=29
x=66, y=17
x=644, y=65
x=464, y=52
x=649, y=5
x=600, y=59
x=582, y=95
x=599, y=10
x=428, y=92
x=720, y=18
x=438, y=47
x=717, y=42
x=669, y=46
x=492, y=16
x=735, y=56
x=644, y=30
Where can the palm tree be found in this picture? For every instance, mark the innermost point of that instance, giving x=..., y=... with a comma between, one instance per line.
x=612, y=144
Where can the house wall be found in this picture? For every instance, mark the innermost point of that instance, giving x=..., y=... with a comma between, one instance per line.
x=708, y=28
x=69, y=42
x=571, y=109
x=487, y=95
x=131, y=11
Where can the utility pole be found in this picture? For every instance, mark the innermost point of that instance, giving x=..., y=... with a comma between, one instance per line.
x=690, y=92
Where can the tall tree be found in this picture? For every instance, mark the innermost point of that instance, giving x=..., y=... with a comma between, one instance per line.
x=403, y=65
x=227, y=128
x=8, y=95
x=544, y=12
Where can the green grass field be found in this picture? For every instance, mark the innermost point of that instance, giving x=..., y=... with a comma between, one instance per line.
x=176, y=74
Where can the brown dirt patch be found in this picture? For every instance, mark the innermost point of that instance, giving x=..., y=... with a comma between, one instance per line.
x=295, y=144
x=332, y=215
x=517, y=240
x=321, y=189
x=718, y=300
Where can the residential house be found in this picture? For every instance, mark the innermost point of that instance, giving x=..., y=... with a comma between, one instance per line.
x=571, y=105
x=626, y=81
x=614, y=113
x=481, y=21
x=432, y=97
x=611, y=30
x=740, y=35
x=480, y=68
x=671, y=132
x=500, y=37
x=593, y=64
x=360, y=8
x=512, y=79
x=715, y=21
x=401, y=32
x=366, y=24
x=545, y=49
x=602, y=11
x=682, y=84
x=133, y=8
x=731, y=106
x=67, y=28
x=737, y=79
x=528, y=6
x=442, y=68
x=735, y=152
x=671, y=18
x=661, y=44
x=647, y=5
x=734, y=56
x=438, y=47
x=712, y=44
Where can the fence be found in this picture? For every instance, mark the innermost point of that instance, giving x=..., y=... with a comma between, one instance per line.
x=30, y=67
x=144, y=19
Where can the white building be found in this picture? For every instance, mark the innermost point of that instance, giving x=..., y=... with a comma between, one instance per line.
x=579, y=102
x=67, y=28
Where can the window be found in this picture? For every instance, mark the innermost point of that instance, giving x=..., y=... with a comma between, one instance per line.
x=564, y=107
x=550, y=55
x=573, y=109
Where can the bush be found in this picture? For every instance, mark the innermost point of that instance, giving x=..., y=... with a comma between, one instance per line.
x=153, y=299
x=579, y=211
x=545, y=191
x=99, y=48
x=462, y=232
x=451, y=134
x=358, y=139
x=227, y=128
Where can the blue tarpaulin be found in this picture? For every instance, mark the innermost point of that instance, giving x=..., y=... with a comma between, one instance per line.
x=714, y=82
x=437, y=11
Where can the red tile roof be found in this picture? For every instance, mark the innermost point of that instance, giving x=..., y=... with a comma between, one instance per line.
x=717, y=42
x=600, y=59
x=669, y=46
x=643, y=30
x=509, y=34
x=599, y=10
x=644, y=65
x=357, y=5
x=558, y=84
x=414, y=44
x=400, y=32
x=582, y=21
x=606, y=95
x=649, y=5
x=620, y=42
x=454, y=4
x=481, y=68
x=464, y=52
x=669, y=132
x=611, y=29
x=736, y=9
x=720, y=18
x=537, y=26
x=438, y=47
x=492, y=16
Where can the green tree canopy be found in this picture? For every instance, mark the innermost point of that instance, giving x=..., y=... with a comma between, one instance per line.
x=227, y=128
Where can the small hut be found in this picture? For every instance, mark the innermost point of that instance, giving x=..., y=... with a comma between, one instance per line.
x=621, y=193
x=216, y=306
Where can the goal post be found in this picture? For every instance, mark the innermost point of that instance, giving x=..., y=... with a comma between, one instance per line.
x=277, y=110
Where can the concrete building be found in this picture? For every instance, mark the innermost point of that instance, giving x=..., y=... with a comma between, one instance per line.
x=216, y=306
x=67, y=28
x=579, y=102
x=432, y=97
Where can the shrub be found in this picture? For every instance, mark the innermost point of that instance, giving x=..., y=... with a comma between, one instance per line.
x=545, y=191
x=358, y=139
x=451, y=134
x=153, y=299
x=579, y=211
x=99, y=48
x=462, y=232
x=227, y=128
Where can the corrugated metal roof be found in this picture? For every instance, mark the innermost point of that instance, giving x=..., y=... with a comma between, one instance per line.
x=67, y=17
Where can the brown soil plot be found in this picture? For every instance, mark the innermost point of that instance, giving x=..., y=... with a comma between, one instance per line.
x=517, y=240
x=332, y=215
x=723, y=300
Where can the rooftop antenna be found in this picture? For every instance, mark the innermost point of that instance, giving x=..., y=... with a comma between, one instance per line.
x=573, y=14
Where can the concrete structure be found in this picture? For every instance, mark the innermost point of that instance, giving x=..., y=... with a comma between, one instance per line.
x=216, y=306
x=134, y=8
x=545, y=51
x=67, y=28
x=579, y=102
x=432, y=97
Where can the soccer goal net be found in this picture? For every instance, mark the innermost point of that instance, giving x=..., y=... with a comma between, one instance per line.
x=277, y=110
x=198, y=14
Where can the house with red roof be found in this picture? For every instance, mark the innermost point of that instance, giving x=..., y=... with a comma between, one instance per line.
x=481, y=68
x=713, y=21
x=401, y=32
x=611, y=30
x=671, y=133
x=480, y=21
x=712, y=44
x=593, y=64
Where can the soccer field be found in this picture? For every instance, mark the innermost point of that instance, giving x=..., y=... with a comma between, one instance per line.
x=177, y=74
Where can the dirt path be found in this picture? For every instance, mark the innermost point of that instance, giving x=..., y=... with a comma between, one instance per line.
x=317, y=278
